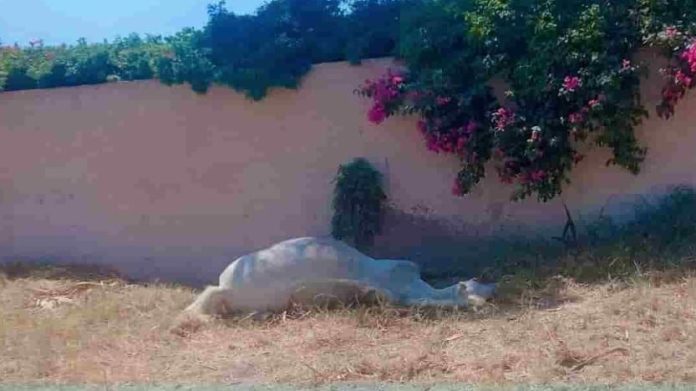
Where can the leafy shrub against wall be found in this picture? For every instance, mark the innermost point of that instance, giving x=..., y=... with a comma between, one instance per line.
x=358, y=204
x=572, y=76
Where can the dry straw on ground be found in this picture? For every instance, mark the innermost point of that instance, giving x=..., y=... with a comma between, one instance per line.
x=87, y=330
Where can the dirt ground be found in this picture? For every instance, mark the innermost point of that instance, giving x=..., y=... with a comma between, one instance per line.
x=67, y=328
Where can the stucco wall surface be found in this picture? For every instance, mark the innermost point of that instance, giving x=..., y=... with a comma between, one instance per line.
x=167, y=184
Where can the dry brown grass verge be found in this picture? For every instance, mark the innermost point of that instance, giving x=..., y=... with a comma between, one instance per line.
x=68, y=331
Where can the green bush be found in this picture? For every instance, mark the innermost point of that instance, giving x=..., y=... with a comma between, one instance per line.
x=358, y=204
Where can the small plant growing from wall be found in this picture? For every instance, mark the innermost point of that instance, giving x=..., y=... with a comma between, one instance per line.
x=358, y=204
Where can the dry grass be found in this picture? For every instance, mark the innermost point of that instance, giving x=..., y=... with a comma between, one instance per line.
x=70, y=331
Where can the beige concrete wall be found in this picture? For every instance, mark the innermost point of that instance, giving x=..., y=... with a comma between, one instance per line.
x=164, y=183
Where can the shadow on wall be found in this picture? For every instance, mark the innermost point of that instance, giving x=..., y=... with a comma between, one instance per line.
x=655, y=227
x=446, y=249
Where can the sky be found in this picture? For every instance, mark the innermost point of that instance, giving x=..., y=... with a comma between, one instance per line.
x=65, y=21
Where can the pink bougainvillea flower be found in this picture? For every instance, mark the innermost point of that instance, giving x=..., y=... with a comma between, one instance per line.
x=689, y=56
x=593, y=103
x=505, y=175
x=432, y=143
x=571, y=83
x=671, y=32
x=538, y=175
x=461, y=143
x=444, y=144
x=384, y=91
x=503, y=118
x=377, y=114
x=625, y=65
x=442, y=100
x=683, y=79
x=575, y=118
x=457, y=188
x=471, y=127
x=506, y=179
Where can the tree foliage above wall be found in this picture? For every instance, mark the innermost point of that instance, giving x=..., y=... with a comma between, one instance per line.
x=274, y=47
x=277, y=45
x=39, y=66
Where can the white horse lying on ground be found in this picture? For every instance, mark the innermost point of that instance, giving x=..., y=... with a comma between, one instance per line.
x=303, y=271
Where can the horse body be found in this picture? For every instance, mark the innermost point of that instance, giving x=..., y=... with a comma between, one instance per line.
x=298, y=271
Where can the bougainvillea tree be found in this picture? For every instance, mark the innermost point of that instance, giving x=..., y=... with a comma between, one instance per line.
x=571, y=75
x=681, y=71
